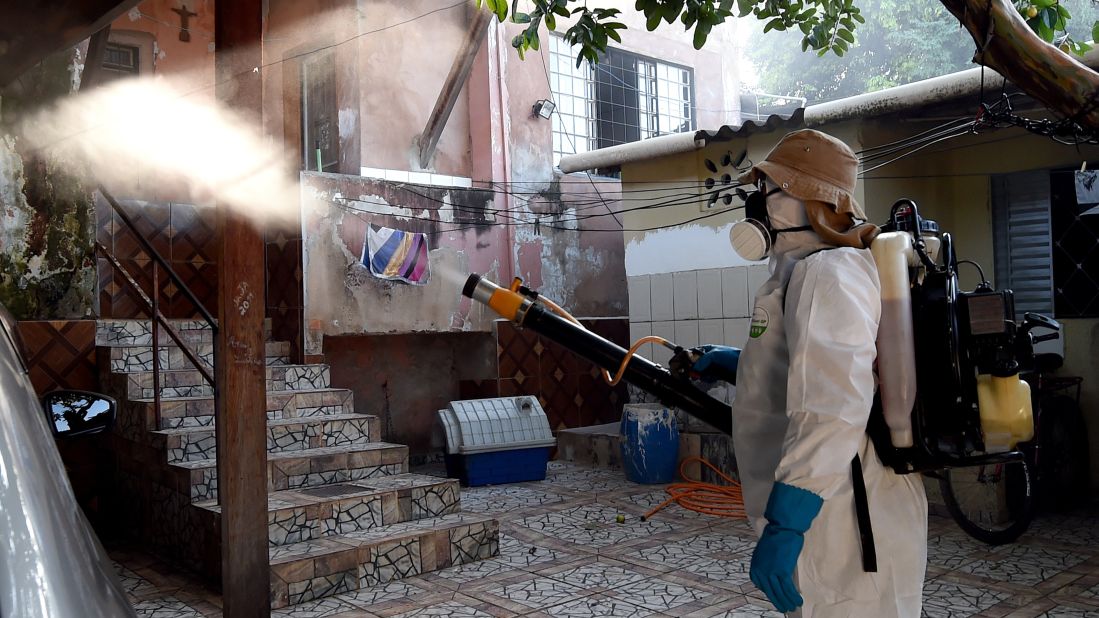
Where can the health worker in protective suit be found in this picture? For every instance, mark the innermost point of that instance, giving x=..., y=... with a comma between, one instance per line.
x=805, y=387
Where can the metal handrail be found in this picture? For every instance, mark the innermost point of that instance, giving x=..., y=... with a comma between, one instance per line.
x=153, y=306
x=148, y=247
x=157, y=315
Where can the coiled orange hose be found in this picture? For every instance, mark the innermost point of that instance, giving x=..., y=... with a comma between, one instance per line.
x=707, y=498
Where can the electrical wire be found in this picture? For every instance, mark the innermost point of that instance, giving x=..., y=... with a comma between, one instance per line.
x=557, y=110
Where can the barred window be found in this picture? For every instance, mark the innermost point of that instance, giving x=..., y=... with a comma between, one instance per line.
x=624, y=98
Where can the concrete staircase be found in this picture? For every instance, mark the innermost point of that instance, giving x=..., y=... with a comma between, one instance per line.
x=344, y=513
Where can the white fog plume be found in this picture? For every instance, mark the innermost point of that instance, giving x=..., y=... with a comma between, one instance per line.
x=142, y=136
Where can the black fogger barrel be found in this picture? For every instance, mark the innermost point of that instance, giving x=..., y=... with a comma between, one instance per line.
x=640, y=372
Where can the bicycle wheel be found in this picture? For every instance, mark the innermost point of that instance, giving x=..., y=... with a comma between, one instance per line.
x=993, y=503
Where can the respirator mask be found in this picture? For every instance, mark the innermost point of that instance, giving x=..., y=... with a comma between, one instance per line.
x=754, y=236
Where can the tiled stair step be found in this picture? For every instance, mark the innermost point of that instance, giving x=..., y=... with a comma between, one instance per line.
x=304, y=469
x=190, y=383
x=294, y=434
x=334, y=565
x=133, y=359
x=294, y=516
x=139, y=332
x=180, y=412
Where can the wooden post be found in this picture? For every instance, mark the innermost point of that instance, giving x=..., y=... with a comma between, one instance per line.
x=241, y=371
x=459, y=75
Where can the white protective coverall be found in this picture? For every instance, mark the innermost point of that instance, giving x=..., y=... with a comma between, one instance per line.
x=805, y=386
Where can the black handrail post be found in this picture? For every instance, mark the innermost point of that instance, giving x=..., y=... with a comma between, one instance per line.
x=156, y=344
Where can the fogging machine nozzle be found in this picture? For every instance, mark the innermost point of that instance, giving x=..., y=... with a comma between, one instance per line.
x=471, y=284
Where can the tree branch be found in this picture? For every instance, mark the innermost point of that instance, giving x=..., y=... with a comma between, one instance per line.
x=1007, y=45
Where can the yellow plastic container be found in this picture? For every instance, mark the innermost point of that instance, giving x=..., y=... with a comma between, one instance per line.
x=893, y=254
x=1007, y=417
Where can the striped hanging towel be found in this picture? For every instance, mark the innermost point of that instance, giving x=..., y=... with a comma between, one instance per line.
x=393, y=254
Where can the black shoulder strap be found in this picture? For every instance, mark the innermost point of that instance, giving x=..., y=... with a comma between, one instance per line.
x=862, y=513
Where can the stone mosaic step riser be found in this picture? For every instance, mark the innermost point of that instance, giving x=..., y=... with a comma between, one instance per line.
x=291, y=525
x=281, y=405
x=200, y=444
x=136, y=359
x=336, y=572
x=139, y=332
x=308, y=471
x=192, y=384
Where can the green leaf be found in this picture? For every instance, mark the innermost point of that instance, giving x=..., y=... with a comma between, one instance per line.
x=1095, y=32
x=652, y=22
x=551, y=21
x=520, y=18
x=1044, y=31
x=771, y=25
x=846, y=35
x=1048, y=17
x=804, y=43
x=743, y=7
x=688, y=20
x=612, y=33
x=501, y=10
x=702, y=31
x=1044, y=4
x=532, y=40
x=561, y=10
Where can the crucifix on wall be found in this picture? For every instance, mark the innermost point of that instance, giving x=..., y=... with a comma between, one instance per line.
x=185, y=16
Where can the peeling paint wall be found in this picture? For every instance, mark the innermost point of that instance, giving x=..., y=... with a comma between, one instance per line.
x=47, y=215
x=342, y=297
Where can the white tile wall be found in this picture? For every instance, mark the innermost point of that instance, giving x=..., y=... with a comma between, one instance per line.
x=420, y=178
x=686, y=333
x=662, y=295
x=639, y=330
x=640, y=303
x=757, y=276
x=666, y=330
x=710, y=301
x=711, y=331
x=685, y=286
x=734, y=292
x=736, y=331
x=692, y=308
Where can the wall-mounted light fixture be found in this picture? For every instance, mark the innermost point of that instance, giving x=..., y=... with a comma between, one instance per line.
x=543, y=108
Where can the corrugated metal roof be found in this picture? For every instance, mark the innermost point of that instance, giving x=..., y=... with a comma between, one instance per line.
x=676, y=143
x=774, y=122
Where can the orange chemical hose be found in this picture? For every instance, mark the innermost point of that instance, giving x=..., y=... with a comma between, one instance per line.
x=707, y=498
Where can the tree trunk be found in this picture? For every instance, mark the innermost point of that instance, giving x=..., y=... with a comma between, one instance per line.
x=1007, y=45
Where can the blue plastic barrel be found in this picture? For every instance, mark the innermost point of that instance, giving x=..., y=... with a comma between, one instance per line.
x=650, y=443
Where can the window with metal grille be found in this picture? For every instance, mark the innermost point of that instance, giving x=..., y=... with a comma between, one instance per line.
x=320, y=136
x=1047, y=251
x=1075, y=250
x=624, y=98
x=120, y=61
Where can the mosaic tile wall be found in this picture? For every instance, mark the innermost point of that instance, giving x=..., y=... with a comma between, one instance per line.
x=570, y=389
x=183, y=234
x=60, y=354
x=285, y=299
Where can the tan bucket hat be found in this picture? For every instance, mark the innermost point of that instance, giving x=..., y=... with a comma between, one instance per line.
x=811, y=165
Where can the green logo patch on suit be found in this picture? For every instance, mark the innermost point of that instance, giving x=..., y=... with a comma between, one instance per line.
x=759, y=322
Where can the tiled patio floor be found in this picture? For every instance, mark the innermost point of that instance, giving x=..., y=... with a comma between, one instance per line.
x=564, y=554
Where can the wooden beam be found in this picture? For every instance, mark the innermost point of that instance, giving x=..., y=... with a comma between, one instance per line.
x=30, y=31
x=93, y=63
x=452, y=87
x=241, y=364
x=1006, y=44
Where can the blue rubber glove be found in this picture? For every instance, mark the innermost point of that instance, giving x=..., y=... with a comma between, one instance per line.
x=718, y=361
x=790, y=511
